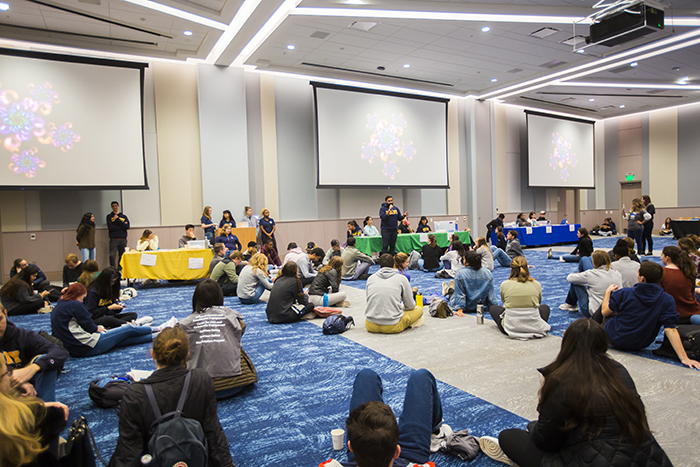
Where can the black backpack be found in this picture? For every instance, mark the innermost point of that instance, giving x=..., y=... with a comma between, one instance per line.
x=175, y=439
x=690, y=338
x=108, y=392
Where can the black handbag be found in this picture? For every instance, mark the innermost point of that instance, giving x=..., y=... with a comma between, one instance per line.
x=79, y=446
x=690, y=338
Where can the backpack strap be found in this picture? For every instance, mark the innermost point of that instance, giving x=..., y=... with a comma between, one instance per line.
x=152, y=399
x=180, y=402
x=185, y=390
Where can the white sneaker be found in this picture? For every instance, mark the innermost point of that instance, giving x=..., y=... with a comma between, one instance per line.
x=436, y=440
x=491, y=448
x=45, y=310
x=561, y=260
x=143, y=321
x=567, y=307
x=168, y=324
x=445, y=288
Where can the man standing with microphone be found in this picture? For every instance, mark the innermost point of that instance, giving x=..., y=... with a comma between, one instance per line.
x=391, y=216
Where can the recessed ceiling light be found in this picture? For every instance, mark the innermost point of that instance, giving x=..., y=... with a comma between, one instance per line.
x=493, y=80
x=591, y=100
x=581, y=51
x=622, y=106
x=407, y=65
x=634, y=64
x=676, y=68
x=485, y=29
x=4, y=6
x=354, y=2
x=291, y=47
x=187, y=33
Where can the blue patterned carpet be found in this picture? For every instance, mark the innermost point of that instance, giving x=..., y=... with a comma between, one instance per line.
x=305, y=377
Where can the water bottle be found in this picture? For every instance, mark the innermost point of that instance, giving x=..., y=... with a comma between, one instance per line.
x=325, y=299
x=480, y=313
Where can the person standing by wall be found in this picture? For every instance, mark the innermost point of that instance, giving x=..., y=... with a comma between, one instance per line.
x=85, y=236
x=117, y=225
x=391, y=216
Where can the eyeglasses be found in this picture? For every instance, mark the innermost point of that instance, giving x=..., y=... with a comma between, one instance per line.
x=8, y=373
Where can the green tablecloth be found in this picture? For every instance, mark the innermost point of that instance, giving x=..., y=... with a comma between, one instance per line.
x=406, y=243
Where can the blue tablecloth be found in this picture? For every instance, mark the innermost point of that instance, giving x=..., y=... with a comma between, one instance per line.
x=539, y=236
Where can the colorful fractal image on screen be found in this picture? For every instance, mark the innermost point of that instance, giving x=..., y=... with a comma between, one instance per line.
x=23, y=127
x=385, y=143
x=562, y=158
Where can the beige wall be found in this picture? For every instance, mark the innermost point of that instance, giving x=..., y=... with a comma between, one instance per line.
x=663, y=157
x=630, y=147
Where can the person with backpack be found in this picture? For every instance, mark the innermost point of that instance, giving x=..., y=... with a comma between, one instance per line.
x=170, y=380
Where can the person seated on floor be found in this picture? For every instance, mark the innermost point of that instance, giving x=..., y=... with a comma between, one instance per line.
x=589, y=412
x=404, y=227
x=666, y=228
x=219, y=254
x=189, y=236
x=370, y=230
x=523, y=315
x=326, y=285
x=103, y=300
x=687, y=245
x=147, y=242
x=355, y=263
x=251, y=250
x=91, y=269
x=288, y=303
x=679, y=281
x=588, y=287
x=633, y=316
x=35, y=361
x=390, y=304
x=491, y=226
x=374, y=437
x=269, y=251
x=583, y=248
x=214, y=332
x=608, y=228
x=40, y=283
x=31, y=428
x=225, y=236
x=317, y=261
x=72, y=269
x=542, y=217
x=294, y=252
x=512, y=250
x=624, y=265
x=520, y=220
x=486, y=254
x=430, y=255
x=334, y=250
x=472, y=284
x=72, y=323
x=423, y=226
x=501, y=240
x=630, y=246
x=227, y=218
x=401, y=264
x=305, y=264
x=453, y=258
x=253, y=280
x=354, y=230
x=17, y=295
x=225, y=274
x=166, y=384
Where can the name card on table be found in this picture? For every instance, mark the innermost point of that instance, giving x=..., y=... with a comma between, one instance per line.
x=572, y=228
x=148, y=260
x=423, y=237
x=548, y=229
x=196, y=263
x=528, y=230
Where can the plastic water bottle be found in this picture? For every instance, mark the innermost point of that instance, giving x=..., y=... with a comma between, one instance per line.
x=479, y=313
x=325, y=299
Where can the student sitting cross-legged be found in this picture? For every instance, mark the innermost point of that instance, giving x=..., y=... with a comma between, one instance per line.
x=472, y=284
x=390, y=304
x=288, y=302
x=588, y=287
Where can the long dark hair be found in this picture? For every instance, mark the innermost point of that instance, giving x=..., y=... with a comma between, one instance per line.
x=591, y=381
x=87, y=220
x=681, y=259
x=11, y=288
x=207, y=294
x=15, y=265
x=290, y=269
x=103, y=284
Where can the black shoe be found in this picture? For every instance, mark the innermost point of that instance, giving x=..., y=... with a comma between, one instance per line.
x=363, y=277
x=651, y=253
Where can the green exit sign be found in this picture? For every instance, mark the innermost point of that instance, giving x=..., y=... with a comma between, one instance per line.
x=630, y=178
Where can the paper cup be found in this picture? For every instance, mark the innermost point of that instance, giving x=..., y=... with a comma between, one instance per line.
x=338, y=436
x=127, y=249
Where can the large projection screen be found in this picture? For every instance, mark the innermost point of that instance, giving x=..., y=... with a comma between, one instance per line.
x=560, y=151
x=368, y=138
x=70, y=122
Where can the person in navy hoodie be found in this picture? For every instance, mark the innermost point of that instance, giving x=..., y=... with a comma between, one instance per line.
x=391, y=216
x=117, y=225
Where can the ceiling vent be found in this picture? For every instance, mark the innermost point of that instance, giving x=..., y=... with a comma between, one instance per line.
x=515, y=70
x=362, y=25
x=320, y=35
x=552, y=64
x=544, y=32
x=574, y=41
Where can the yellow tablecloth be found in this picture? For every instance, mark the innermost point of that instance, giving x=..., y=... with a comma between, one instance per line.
x=170, y=265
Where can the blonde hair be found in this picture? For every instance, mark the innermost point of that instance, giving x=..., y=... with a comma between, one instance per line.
x=221, y=230
x=258, y=261
x=481, y=241
x=519, y=271
x=630, y=244
x=144, y=236
x=71, y=258
x=399, y=259
x=336, y=262
x=252, y=250
x=601, y=258
x=206, y=211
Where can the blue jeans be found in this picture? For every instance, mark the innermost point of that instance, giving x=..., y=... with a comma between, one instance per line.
x=422, y=410
x=578, y=294
x=501, y=256
x=568, y=258
x=259, y=290
x=421, y=263
x=123, y=336
x=87, y=253
x=695, y=319
x=637, y=235
x=44, y=384
x=209, y=236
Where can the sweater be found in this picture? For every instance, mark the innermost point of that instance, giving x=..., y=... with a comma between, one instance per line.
x=22, y=347
x=390, y=217
x=584, y=247
x=71, y=275
x=118, y=227
x=248, y=282
x=148, y=244
x=388, y=295
x=431, y=256
x=231, y=242
x=24, y=295
x=597, y=281
x=371, y=231
x=516, y=294
x=272, y=256
x=513, y=249
x=351, y=256
x=225, y=272
x=454, y=258
x=72, y=323
x=40, y=276
x=331, y=252
x=486, y=257
x=322, y=281
x=628, y=270
x=285, y=294
x=682, y=290
x=85, y=236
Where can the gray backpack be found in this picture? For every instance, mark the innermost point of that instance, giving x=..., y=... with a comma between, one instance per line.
x=176, y=439
x=413, y=260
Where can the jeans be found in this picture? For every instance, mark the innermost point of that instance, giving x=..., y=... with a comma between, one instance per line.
x=568, y=258
x=695, y=319
x=585, y=264
x=209, y=236
x=44, y=383
x=389, y=241
x=422, y=410
x=501, y=256
x=421, y=263
x=259, y=290
x=123, y=336
x=116, y=250
x=578, y=295
x=637, y=235
x=360, y=268
x=87, y=253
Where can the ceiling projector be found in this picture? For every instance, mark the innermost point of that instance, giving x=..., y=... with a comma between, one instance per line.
x=625, y=21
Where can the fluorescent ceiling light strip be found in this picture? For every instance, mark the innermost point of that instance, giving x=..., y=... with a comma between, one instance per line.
x=435, y=15
x=626, y=85
x=268, y=28
x=242, y=15
x=684, y=21
x=179, y=13
x=596, y=63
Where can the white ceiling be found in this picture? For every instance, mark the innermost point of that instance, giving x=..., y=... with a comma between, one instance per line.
x=450, y=56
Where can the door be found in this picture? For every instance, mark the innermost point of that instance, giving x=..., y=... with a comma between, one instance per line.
x=628, y=192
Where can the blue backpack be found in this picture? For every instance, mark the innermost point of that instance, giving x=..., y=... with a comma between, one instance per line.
x=337, y=324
